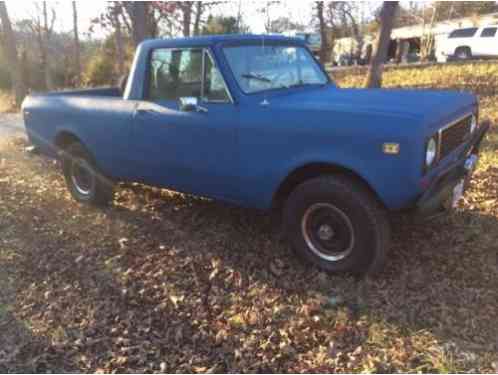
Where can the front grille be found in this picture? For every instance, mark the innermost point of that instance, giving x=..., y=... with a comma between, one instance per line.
x=454, y=135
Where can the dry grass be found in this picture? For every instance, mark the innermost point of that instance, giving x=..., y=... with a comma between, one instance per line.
x=163, y=282
x=478, y=77
x=6, y=102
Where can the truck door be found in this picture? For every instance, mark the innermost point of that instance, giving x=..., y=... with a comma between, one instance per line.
x=185, y=131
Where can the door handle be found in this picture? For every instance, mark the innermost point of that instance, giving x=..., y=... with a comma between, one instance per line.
x=201, y=109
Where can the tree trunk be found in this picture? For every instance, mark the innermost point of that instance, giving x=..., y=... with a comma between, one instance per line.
x=359, y=39
x=77, y=55
x=198, y=15
x=25, y=70
x=267, y=16
x=187, y=17
x=428, y=38
x=323, y=32
x=45, y=53
x=239, y=15
x=119, y=45
x=11, y=52
x=139, y=21
x=374, y=77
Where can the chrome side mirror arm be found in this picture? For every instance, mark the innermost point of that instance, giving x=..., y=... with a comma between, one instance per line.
x=191, y=104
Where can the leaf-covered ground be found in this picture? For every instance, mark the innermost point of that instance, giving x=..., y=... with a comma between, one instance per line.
x=6, y=102
x=479, y=77
x=163, y=282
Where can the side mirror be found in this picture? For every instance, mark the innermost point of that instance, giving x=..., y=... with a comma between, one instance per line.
x=189, y=104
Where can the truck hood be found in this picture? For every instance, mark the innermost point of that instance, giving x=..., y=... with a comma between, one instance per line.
x=433, y=106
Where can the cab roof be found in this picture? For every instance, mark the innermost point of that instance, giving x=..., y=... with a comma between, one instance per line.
x=207, y=40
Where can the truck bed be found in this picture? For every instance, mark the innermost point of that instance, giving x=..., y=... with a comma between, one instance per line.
x=98, y=117
x=101, y=91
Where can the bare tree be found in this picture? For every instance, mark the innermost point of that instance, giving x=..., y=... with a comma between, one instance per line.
x=323, y=32
x=77, y=47
x=186, y=9
x=138, y=23
x=138, y=15
x=118, y=36
x=198, y=15
x=42, y=27
x=346, y=11
x=266, y=13
x=190, y=16
x=144, y=17
x=428, y=37
x=374, y=77
x=239, y=14
x=47, y=34
x=114, y=18
x=337, y=19
x=185, y=17
x=200, y=8
x=11, y=52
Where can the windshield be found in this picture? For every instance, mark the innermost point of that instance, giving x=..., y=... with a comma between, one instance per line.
x=258, y=68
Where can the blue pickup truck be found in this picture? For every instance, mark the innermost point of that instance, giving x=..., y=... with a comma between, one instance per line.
x=256, y=121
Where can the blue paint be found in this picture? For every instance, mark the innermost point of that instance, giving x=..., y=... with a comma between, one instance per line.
x=242, y=151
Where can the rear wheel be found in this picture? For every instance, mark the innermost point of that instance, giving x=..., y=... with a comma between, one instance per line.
x=337, y=224
x=463, y=53
x=85, y=183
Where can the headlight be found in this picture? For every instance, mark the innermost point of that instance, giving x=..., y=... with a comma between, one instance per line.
x=473, y=123
x=431, y=152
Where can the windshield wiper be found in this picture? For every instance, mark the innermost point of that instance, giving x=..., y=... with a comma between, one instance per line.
x=297, y=84
x=301, y=84
x=256, y=77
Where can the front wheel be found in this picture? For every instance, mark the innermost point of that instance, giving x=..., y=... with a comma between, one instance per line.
x=337, y=224
x=83, y=180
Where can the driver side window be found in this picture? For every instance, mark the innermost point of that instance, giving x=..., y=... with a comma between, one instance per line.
x=178, y=73
x=175, y=73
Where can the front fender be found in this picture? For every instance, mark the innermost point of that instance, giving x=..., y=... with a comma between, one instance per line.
x=388, y=176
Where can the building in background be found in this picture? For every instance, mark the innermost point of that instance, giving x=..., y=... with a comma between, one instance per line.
x=409, y=43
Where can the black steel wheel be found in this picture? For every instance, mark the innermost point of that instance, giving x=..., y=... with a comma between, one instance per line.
x=85, y=183
x=337, y=224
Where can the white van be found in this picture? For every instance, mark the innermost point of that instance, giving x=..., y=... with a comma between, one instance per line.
x=469, y=42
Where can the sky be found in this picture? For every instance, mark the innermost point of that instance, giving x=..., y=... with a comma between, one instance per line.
x=297, y=10
x=64, y=12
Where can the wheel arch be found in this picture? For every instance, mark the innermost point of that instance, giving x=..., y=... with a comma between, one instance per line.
x=312, y=170
x=463, y=47
x=64, y=138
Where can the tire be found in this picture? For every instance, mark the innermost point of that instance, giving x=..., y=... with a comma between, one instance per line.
x=337, y=224
x=83, y=180
x=463, y=53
